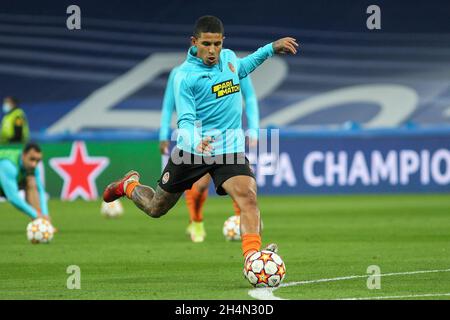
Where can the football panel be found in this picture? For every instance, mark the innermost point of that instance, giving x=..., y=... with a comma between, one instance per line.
x=257, y=266
x=274, y=281
x=282, y=271
x=277, y=259
x=43, y=228
x=255, y=256
x=270, y=267
x=225, y=231
x=252, y=278
x=38, y=236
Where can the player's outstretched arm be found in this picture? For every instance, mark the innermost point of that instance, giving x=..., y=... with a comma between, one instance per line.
x=251, y=62
x=42, y=195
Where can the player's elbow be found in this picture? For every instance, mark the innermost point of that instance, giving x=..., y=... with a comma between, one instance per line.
x=248, y=196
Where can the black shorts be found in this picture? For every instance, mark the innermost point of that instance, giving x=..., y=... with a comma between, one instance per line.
x=184, y=169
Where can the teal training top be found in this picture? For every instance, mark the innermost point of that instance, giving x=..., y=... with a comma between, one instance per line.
x=208, y=99
x=10, y=173
x=251, y=107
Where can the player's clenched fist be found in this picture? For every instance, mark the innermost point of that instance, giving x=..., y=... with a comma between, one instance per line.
x=285, y=45
x=205, y=146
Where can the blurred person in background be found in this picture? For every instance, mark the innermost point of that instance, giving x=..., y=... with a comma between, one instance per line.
x=14, y=128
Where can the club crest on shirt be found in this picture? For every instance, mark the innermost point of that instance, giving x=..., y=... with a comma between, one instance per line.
x=165, y=177
x=230, y=65
x=225, y=88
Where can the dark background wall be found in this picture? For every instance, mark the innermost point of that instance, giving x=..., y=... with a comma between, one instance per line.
x=343, y=15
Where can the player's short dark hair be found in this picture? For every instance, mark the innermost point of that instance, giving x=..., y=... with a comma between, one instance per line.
x=32, y=146
x=208, y=24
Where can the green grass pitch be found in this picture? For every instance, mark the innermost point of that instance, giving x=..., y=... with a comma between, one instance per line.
x=321, y=237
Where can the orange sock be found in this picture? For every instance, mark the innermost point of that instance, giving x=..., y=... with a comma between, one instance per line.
x=195, y=201
x=200, y=202
x=251, y=242
x=130, y=187
x=237, y=211
x=190, y=204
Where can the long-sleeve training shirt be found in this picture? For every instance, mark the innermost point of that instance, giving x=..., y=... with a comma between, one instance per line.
x=250, y=100
x=208, y=99
x=9, y=173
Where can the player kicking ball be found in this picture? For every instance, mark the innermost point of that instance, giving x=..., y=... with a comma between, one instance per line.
x=196, y=196
x=209, y=106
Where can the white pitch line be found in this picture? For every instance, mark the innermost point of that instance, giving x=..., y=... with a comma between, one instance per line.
x=267, y=293
x=401, y=297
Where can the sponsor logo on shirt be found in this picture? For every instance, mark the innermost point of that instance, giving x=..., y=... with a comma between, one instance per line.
x=225, y=88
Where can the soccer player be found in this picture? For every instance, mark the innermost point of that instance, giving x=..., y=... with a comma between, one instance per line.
x=14, y=127
x=196, y=196
x=19, y=170
x=209, y=106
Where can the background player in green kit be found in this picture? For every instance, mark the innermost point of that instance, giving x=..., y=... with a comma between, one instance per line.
x=209, y=106
x=14, y=124
x=19, y=170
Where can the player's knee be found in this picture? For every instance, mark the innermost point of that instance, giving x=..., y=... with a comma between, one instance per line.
x=248, y=198
x=246, y=192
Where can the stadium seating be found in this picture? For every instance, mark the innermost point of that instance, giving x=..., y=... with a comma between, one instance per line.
x=53, y=70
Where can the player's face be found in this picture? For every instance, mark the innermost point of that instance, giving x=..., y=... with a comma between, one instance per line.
x=31, y=159
x=208, y=46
